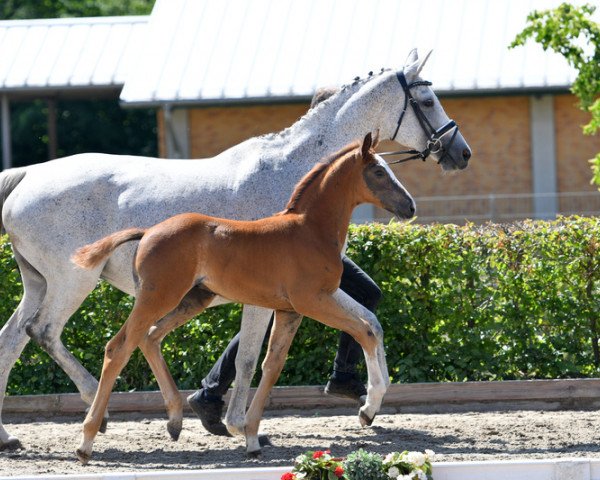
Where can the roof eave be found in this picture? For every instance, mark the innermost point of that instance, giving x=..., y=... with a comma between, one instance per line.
x=216, y=102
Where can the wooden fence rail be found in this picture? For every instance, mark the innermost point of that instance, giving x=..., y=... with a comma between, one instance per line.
x=418, y=397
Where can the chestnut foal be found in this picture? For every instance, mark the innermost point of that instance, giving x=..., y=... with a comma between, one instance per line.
x=289, y=262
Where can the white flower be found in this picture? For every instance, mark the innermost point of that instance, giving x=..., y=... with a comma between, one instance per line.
x=429, y=454
x=388, y=458
x=393, y=472
x=416, y=458
x=421, y=475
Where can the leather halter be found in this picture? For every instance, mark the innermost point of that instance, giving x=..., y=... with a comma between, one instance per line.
x=434, y=142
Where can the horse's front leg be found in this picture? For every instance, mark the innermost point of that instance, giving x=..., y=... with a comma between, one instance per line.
x=194, y=302
x=255, y=322
x=283, y=331
x=340, y=311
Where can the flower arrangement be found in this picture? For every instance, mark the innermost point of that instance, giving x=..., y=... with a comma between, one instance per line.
x=362, y=465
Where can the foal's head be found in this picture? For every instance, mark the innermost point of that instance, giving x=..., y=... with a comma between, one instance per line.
x=379, y=185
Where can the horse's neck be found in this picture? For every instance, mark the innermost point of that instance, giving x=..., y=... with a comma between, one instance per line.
x=340, y=120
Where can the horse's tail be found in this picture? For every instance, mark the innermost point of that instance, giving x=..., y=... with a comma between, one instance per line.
x=9, y=179
x=92, y=255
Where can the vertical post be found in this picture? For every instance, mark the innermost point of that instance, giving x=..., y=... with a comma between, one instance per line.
x=543, y=156
x=6, y=140
x=176, y=136
x=52, y=135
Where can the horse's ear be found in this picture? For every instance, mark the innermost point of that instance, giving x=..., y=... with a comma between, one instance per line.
x=366, y=145
x=413, y=66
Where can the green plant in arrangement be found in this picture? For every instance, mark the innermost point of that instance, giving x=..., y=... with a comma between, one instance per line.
x=362, y=465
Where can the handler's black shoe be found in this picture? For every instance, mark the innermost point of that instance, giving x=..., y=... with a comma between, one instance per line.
x=351, y=388
x=209, y=412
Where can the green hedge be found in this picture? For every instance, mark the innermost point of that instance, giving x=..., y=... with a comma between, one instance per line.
x=460, y=303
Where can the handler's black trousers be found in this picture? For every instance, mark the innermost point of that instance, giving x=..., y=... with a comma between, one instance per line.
x=356, y=283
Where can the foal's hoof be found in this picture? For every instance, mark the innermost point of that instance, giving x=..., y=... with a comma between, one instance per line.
x=174, y=428
x=83, y=456
x=365, y=420
x=254, y=454
x=13, y=443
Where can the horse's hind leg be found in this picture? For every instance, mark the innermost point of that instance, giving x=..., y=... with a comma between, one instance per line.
x=13, y=337
x=195, y=301
x=283, y=331
x=64, y=294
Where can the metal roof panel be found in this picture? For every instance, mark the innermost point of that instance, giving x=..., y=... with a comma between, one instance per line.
x=67, y=52
x=235, y=50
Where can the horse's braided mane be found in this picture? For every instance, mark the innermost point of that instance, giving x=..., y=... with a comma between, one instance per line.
x=329, y=95
x=317, y=171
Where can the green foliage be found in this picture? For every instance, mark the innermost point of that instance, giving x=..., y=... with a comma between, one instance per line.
x=23, y=9
x=493, y=302
x=363, y=465
x=115, y=130
x=571, y=32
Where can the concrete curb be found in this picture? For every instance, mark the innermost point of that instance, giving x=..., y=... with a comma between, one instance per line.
x=556, y=469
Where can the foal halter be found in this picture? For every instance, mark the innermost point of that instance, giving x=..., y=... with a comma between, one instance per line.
x=434, y=142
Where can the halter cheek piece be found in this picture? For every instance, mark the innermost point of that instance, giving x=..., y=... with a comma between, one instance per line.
x=434, y=137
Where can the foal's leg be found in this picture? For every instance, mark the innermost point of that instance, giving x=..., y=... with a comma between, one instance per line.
x=255, y=321
x=150, y=306
x=340, y=311
x=195, y=301
x=283, y=331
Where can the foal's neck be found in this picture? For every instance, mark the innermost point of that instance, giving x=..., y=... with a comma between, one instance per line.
x=327, y=204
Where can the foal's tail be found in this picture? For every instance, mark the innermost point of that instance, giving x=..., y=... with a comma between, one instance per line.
x=92, y=255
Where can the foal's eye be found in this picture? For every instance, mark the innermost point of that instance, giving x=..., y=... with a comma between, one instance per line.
x=379, y=172
x=428, y=102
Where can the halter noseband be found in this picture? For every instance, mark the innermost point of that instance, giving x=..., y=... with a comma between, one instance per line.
x=434, y=142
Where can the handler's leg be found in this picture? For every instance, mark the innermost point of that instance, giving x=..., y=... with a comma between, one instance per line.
x=344, y=381
x=207, y=402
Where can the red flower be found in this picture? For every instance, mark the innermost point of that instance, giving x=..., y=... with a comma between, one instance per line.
x=339, y=471
x=288, y=476
x=318, y=454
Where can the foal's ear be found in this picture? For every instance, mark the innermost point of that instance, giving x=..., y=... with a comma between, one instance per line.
x=366, y=145
x=376, y=139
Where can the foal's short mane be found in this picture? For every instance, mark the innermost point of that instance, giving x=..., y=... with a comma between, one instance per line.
x=317, y=171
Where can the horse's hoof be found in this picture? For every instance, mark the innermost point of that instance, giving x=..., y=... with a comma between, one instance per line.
x=263, y=440
x=365, y=420
x=103, y=425
x=174, y=429
x=13, y=443
x=83, y=457
x=254, y=454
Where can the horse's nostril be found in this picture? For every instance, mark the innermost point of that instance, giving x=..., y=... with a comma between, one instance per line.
x=466, y=153
x=412, y=209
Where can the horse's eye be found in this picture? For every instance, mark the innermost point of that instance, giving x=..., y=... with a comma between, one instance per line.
x=379, y=172
x=428, y=102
